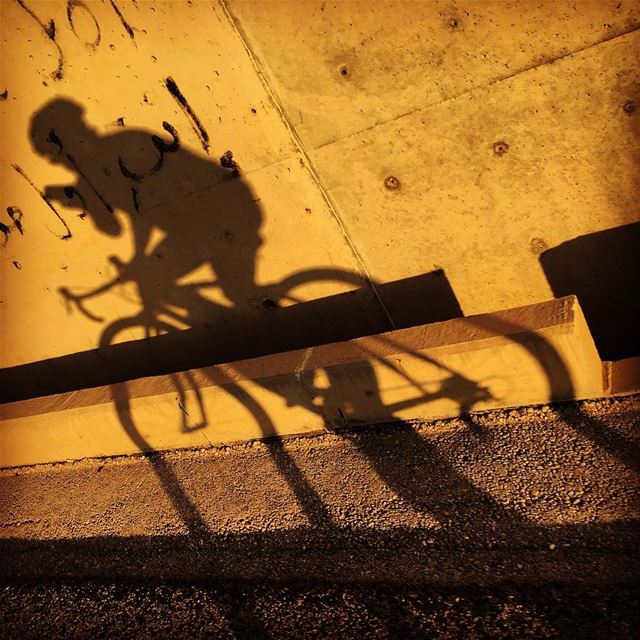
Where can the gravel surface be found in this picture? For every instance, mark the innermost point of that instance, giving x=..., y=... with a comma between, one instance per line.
x=510, y=524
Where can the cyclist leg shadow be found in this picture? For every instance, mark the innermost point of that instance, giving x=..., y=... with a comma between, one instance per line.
x=181, y=502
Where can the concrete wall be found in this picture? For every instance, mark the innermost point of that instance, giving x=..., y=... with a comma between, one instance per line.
x=375, y=141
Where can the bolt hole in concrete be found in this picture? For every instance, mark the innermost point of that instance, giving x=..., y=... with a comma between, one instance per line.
x=227, y=161
x=629, y=107
x=500, y=147
x=454, y=23
x=268, y=304
x=392, y=183
x=343, y=70
x=538, y=246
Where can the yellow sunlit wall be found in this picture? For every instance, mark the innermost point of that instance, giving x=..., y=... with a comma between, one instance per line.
x=381, y=139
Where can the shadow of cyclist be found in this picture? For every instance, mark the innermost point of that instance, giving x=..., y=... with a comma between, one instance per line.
x=132, y=181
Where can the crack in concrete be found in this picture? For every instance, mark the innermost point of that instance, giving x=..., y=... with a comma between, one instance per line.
x=300, y=370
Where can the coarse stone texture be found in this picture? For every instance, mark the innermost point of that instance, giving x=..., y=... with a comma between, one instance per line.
x=508, y=524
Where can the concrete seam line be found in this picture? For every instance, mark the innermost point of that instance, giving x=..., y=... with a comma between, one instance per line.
x=333, y=208
x=480, y=87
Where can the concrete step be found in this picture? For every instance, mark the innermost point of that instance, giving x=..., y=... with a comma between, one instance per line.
x=530, y=355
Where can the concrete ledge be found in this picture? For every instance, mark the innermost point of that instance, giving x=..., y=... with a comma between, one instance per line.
x=622, y=377
x=529, y=355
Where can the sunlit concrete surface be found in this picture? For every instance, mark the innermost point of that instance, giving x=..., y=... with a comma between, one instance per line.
x=503, y=123
x=384, y=141
x=622, y=376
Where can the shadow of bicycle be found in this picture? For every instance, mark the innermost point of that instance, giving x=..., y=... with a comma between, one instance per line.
x=141, y=184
